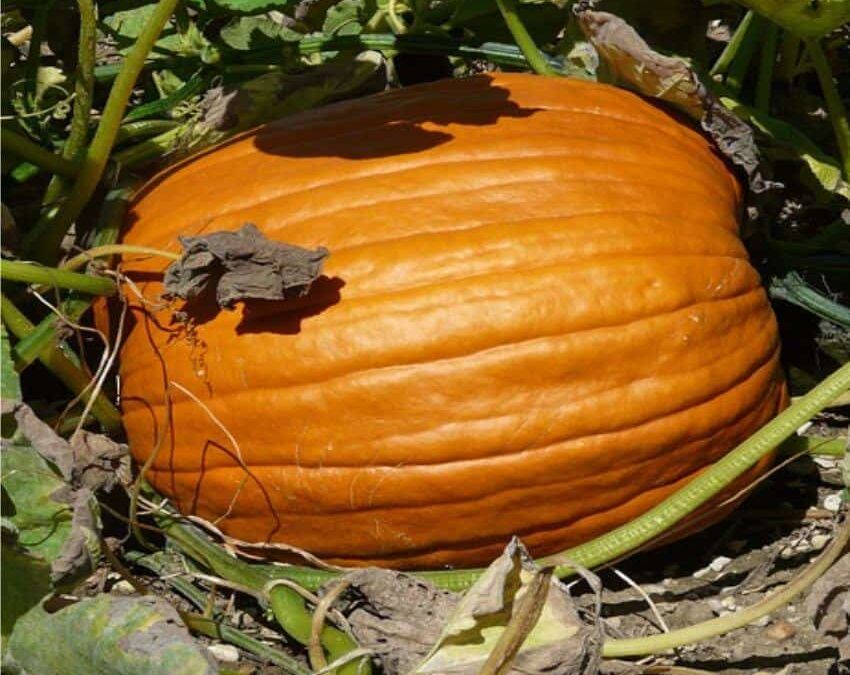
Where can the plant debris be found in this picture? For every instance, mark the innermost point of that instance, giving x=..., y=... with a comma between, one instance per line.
x=242, y=265
x=828, y=605
x=673, y=80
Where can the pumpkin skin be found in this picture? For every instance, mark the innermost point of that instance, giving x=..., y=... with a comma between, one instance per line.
x=537, y=319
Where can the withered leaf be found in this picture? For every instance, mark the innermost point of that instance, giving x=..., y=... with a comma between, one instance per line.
x=242, y=265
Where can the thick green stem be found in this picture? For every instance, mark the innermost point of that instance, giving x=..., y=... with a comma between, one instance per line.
x=61, y=365
x=655, y=644
x=45, y=245
x=522, y=38
x=144, y=129
x=290, y=610
x=149, y=149
x=33, y=273
x=794, y=289
x=835, y=109
x=731, y=50
x=789, y=56
x=764, y=83
x=31, y=152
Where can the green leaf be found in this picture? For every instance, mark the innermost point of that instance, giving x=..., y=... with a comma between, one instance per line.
x=24, y=582
x=127, y=25
x=346, y=18
x=10, y=384
x=248, y=7
x=810, y=18
x=824, y=169
x=257, y=32
x=111, y=635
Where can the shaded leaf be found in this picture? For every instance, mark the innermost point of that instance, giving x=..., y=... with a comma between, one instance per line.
x=10, y=384
x=346, y=17
x=107, y=634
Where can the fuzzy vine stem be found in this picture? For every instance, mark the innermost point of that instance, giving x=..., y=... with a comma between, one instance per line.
x=655, y=644
x=83, y=95
x=33, y=273
x=114, y=249
x=522, y=38
x=835, y=109
x=25, y=149
x=46, y=247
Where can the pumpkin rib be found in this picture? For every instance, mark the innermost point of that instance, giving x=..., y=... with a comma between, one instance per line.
x=745, y=377
x=369, y=202
x=411, y=166
x=156, y=264
x=555, y=235
x=599, y=482
x=755, y=289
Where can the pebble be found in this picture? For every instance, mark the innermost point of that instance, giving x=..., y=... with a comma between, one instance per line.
x=819, y=541
x=123, y=587
x=780, y=630
x=224, y=653
x=832, y=503
x=719, y=563
x=825, y=462
x=729, y=603
x=762, y=621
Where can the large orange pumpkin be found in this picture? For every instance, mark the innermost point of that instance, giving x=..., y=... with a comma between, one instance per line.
x=537, y=319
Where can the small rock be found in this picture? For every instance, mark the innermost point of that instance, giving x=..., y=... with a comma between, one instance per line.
x=787, y=552
x=832, y=503
x=699, y=574
x=825, y=462
x=819, y=541
x=716, y=605
x=224, y=653
x=123, y=587
x=780, y=630
x=762, y=621
x=719, y=563
x=729, y=603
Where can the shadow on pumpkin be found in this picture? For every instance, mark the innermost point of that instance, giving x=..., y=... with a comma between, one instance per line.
x=396, y=127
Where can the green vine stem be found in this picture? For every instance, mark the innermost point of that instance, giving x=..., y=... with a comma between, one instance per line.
x=83, y=95
x=794, y=289
x=61, y=365
x=815, y=445
x=44, y=334
x=740, y=65
x=143, y=129
x=45, y=244
x=790, y=53
x=107, y=250
x=33, y=273
x=25, y=149
x=741, y=34
x=522, y=38
x=764, y=82
x=835, y=109
x=655, y=644
x=149, y=149
x=290, y=610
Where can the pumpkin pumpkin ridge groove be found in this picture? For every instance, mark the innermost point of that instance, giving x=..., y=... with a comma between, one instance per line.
x=754, y=289
x=471, y=226
x=599, y=480
x=635, y=184
x=482, y=157
x=711, y=397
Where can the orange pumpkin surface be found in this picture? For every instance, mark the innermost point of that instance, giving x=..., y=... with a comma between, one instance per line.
x=537, y=319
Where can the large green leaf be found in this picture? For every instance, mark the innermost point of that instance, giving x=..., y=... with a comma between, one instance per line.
x=257, y=32
x=107, y=635
x=10, y=386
